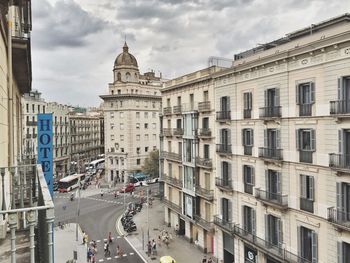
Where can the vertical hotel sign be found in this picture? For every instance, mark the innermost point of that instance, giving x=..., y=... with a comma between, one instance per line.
x=45, y=148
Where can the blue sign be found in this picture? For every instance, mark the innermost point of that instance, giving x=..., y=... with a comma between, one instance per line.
x=45, y=147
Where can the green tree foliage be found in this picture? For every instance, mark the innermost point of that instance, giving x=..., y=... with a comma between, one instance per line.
x=151, y=164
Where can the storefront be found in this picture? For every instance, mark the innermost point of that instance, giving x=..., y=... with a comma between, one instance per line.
x=228, y=242
x=250, y=254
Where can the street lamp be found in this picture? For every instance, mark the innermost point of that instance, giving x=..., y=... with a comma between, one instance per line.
x=78, y=207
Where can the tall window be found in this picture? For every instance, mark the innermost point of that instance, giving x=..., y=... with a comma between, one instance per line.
x=273, y=184
x=272, y=97
x=307, y=191
x=248, y=140
x=249, y=221
x=307, y=242
x=205, y=95
x=206, y=151
x=306, y=144
x=225, y=173
x=137, y=115
x=247, y=105
x=226, y=210
x=305, y=97
x=248, y=178
x=343, y=252
x=273, y=230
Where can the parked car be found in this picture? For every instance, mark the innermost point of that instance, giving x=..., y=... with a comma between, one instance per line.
x=153, y=180
x=129, y=188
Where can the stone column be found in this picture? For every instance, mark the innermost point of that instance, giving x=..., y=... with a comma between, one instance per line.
x=49, y=220
x=13, y=224
x=31, y=217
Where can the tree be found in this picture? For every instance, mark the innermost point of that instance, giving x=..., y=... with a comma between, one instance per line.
x=151, y=164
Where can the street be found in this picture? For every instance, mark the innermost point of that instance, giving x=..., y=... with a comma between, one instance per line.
x=98, y=216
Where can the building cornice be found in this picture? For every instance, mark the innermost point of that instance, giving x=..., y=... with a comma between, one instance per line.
x=127, y=96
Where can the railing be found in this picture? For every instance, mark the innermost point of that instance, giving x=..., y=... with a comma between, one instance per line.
x=269, y=112
x=305, y=110
x=307, y=205
x=268, y=247
x=172, y=205
x=204, y=162
x=173, y=181
x=248, y=150
x=204, y=106
x=172, y=156
x=340, y=107
x=167, y=111
x=224, y=148
x=305, y=156
x=338, y=217
x=223, y=115
x=204, y=223
x=205, y=132
x=340, y=161
x=178, y=131
x=247, y=113
x=272, y=198
x=225, y=224
x=167, y=132
x=270, y=153
x=248, y=188
x=31, y=123
x=27, y=206
x=206, y=193
x=224, y=184
x=177, y=109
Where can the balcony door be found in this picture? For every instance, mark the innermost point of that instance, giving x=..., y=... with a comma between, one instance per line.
x=343, y=201
x=205, y=123
x=273, y=184
x=224, y=137
x=225, y=103
x=271, y=138
x=271, y=98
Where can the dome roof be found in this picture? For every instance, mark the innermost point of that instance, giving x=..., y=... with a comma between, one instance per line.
x=125, y=58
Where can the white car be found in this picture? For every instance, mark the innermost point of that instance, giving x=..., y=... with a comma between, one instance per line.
x=153, y=180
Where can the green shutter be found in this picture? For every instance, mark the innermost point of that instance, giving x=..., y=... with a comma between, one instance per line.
x=297, y=95
x=314, y=246
x=312, y=92
x=313, y=140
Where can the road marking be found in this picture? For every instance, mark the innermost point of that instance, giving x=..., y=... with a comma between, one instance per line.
x=109, y=258
x=105, y=239
x=116, y=257
x=98, y=241
x=124, y=255
x=101, y=260
x=119, y=237
x=132, y=253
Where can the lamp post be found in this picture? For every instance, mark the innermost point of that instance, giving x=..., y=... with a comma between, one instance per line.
x=78, y=207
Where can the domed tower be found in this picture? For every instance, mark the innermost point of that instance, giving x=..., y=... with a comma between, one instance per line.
x=125, y=67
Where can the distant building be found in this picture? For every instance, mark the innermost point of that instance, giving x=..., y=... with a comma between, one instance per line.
x=131, y=115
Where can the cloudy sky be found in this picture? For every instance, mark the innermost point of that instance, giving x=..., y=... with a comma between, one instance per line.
x=75, y=42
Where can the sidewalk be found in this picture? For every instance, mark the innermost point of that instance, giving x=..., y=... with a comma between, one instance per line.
x=65, y=244
x=180, y=249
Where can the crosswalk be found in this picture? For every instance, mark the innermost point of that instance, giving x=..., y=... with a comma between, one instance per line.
x=116, y=257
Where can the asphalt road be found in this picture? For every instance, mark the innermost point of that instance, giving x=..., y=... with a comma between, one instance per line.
x=98, y=216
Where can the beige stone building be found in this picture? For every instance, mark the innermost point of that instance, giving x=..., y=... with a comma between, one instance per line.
x=188, y=155
x=282, y=163
x=131, y=117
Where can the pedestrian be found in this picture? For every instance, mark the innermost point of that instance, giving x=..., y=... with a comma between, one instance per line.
x=89, y=255
x=166, y=241
x=154, y=248
x=149, y=248
x=119, y=251
x=93, y=259
x=204, y=260
x=101, y=192
x=84, y=238
x=110, y=237
x=159, y=241
x=177, y=230
x=210, y=260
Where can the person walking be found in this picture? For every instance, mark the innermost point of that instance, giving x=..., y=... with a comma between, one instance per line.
x=119, y=251
x=159, y=241
x=110, y=237
x=149, y=248
x=154, y=248
x=93, y=259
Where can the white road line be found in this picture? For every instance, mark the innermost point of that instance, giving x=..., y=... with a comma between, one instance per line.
x=116, y=257
x=132, y=253
x=105, y=239
x=101, y=260
x=124, y=255
x=98, y=241
x=119, y=237
x=109, y=258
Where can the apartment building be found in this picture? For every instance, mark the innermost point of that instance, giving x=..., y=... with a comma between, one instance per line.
x=282, y=154
x=188, y=156
x=131, y=117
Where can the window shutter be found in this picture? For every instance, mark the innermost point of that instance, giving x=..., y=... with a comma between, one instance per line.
x=297, y=138
x=253, y=221
x=279, y=184
x=267, y=228
x=277, y=97
x=297, y=95
x=229, y=210
x=278, y=138
x=314, y=246
x=312, y=92
x=245, y=101
x=340, y=141
x=243, y=137
x=245, y=179
x=228, y=106
x=280, y=232
x=339, y=200
x=251, y=137
x=265, y=138
x=228, y=136
x=340, y=88
x=299, y=241
x=313, y=140
x=250, y=100
x=340, y=252
x=303, y=186
x=312, y=188
x=267, y=180
x=229, y=172
x=222, y=104
x=253, y=174
x=222, y=208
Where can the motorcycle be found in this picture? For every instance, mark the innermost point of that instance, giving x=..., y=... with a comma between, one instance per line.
x=131, y=228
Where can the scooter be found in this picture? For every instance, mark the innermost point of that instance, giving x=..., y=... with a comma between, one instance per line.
x=131, y=229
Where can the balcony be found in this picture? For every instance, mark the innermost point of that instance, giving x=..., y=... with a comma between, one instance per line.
x=270, y=153
x=172, y=156
x=273, y=199
x=172, y=206
x=29, y=212
x=178, y=132
x=248, y=188
x=204, y=163
x=248, y=150
x=204, y=133
x=339, y=218
x=224, y=149
x=167, y=111
x=266, y=246
x=340, y=107
x=167, y=132
x=305, y=156
x=270, y=112
x=305, y=110
x=204, y=106
x=223, y=116
x=224, y=184
x=307, y=205
x=339, y=161
x=228, y=226
x=173, y=181
x=177, y=109
x=204, y=223
x=247, y=113
x=205, y=193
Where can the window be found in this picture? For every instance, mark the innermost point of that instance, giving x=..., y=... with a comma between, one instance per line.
x=273, y=185
x=137, y=125
x=343, y=205
x=188, y=147
x=247, y=105
x=137, y=115
x=153, y=104
x=305, y=97
x=122, y=126
x=33, y=108
x=272, y=139
x=121, y=103
x=154, y=125
x=191, y=101
x=27, y=107
x=226, y=210
x=154, y=115
x=38, y=108
x=146, y=137
x=146, y=125
x=138, y=150
x=43, y=109
x=122, y=150
x=225, y=104
x=138, y=161
x=112, y=126
x=170, y=169
x=112, y=137
x=168, y=102
x=343, y=252
x=272, y=97
x=111, y=161
x=307, y=190
x=248, y=178
x=146, y=115
x=249, y=221
x=121, y=138
x=121, y=115
x=205, y=123
x=225, y=174
x=274, y=230
x=206, y=151
x=248, y=140
x=112, y=102
x=146, y=149
x=307, y=244
x=205, y=95
x=306, y=144
x=137, y=137
x=112, y=115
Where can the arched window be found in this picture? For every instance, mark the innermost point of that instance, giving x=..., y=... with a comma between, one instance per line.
x=127, y=76
x=119, y=76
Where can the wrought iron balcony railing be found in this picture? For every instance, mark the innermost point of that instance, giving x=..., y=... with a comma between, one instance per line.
x=205, y=193
x=339, y=161
x=178, y=131
x=223, y=115
x=167, y=132
x=224, y=224
x=224, y=184
x=224, y=148
x=172, y=156
x=248, y=150
x=270, y=112
x=338, y=107
x=204, y=106
x=339, y=217
x=172, y=205
x=167, y=111
x=172, y=180
x=307, y=205
x=204, y=162
x=272, y=198
x=204, y=223
x=305, y=110
x=270, y=153
x=177, y=109
x=205, y=133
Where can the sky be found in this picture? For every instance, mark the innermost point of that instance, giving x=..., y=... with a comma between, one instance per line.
x=75, y=42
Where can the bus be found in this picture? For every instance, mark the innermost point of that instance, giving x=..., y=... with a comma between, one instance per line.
x=136, y=178
x=96, y=164
x=70, y=182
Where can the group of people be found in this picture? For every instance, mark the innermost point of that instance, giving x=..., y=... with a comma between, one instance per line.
x=152, y=248
x=164, y=237
x=205, y=260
